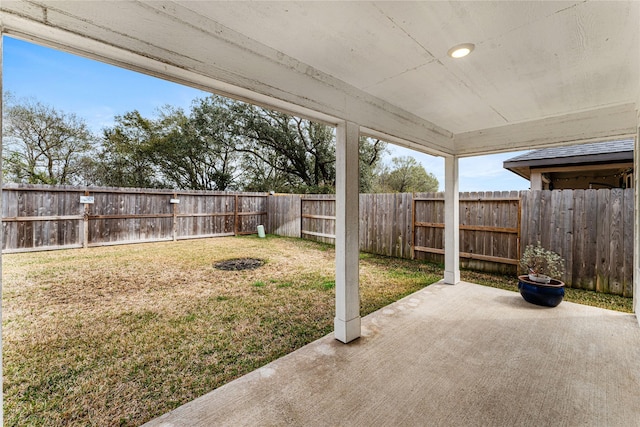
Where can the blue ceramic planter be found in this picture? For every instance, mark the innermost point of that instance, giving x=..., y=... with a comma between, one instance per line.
x=546, y=294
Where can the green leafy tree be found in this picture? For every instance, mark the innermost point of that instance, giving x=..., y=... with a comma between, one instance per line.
x=198, y=151
x=126, y=159
x=43, y=145
x=406, y=175
x=293, y=152
x=285, y=153
x=224, y=144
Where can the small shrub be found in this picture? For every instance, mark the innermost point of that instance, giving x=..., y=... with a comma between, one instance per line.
x=540, y=261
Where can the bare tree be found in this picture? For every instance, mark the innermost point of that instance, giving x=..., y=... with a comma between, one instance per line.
x=371, y=152
x=44, y=145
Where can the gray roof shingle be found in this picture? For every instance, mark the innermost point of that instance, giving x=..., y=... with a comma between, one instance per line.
x=592, y=149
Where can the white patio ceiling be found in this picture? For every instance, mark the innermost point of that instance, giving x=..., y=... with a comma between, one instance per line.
x=542, y=73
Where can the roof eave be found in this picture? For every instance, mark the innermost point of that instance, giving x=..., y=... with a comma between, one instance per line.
x=621, y=156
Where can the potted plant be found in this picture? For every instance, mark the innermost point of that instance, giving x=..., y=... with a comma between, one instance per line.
x=541, y=264
x=541, y=285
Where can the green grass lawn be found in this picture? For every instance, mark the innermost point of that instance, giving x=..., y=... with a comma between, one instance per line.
x=119, y=335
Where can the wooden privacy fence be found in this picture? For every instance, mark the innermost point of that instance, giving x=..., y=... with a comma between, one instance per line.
x=318, y=218
x=489, y=229
x=412, y=225
x=385, y=220
x=37, y=217
x=591, y=229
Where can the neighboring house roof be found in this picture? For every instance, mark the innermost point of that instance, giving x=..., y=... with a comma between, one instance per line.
x=594, y=153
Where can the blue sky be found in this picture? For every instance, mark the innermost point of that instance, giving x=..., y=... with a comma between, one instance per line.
x=97, y=92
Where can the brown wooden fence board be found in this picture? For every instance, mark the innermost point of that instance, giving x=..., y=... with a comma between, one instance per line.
x=484, y=238
x=592, y=230
x=616, y=263
x=602, y=246
x=45, y=212
x=385, y=224
x=252, y=211
x=591, y=247
x=489, y=230
x=428, y=239
x=317, y=218
x=627, y=246
x=567, y=212
x=284, y=215
x=580, y=240
x=467, y=212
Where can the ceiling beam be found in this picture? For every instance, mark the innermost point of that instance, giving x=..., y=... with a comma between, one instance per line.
x=211, y=57
x=616, y=122
x=403, y=143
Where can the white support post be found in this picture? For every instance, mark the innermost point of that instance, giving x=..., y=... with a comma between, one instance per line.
x=347, y=320
x=451, y=221
x=536, y=181
x=636, y=216
x=1, y=180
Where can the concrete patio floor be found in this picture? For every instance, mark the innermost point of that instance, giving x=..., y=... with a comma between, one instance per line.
x=463, y=355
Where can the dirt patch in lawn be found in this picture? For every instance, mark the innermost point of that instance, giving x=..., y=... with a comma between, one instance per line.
x=119, y=335
x=239, y=264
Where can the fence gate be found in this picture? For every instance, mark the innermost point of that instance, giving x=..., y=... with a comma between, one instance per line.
x=318, y=218
x=489, y=230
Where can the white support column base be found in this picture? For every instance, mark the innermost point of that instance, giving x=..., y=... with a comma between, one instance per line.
x=452, y=277
x=346, y=330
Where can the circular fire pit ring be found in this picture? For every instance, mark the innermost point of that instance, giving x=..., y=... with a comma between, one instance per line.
x=238, y=264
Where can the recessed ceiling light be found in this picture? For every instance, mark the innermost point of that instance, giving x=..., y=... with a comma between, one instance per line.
x=461, y=50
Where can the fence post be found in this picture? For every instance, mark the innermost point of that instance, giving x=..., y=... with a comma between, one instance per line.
x=235, y=217
x=413, y=225
x=175, y=217
x=301, y=218
x=85, y=224
x=519, y=227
